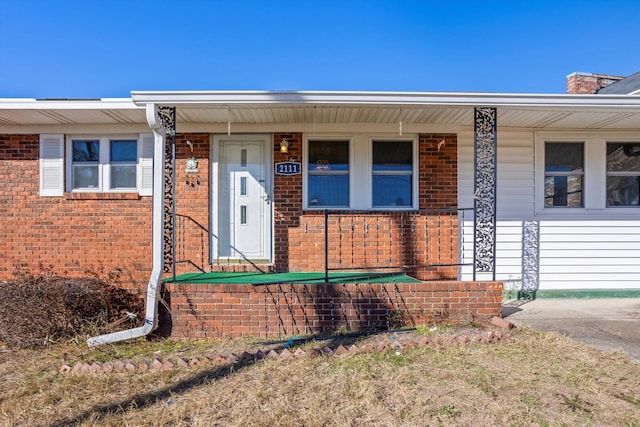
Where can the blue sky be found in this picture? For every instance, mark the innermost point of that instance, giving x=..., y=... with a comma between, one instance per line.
x=80, y=49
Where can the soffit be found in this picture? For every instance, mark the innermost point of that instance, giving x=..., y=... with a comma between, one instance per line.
x=544, y=112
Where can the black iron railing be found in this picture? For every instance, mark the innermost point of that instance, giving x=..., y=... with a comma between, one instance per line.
x=395, y=241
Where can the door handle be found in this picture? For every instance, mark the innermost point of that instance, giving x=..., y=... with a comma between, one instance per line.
x=266, y=198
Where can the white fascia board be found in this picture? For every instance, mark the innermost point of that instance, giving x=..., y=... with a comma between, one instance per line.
x=445, y=99
x=67, y=104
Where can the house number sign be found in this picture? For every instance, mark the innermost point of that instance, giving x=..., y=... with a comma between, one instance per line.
x=288, y=168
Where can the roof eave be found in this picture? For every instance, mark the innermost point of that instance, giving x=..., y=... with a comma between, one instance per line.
x=444, y=99
x=68, y=104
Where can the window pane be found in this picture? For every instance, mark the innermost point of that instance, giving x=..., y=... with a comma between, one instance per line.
x=328, y=155
x=243, y=215
x=563, y=157
x=243, y=185
x=124, y=151
x=328, y=190
x=623, y=157
x=396, y=155
x=563, y=191
x=123, y=176
x=85, y=176
x=392, y=190
x=623, y=190
x=86, y=151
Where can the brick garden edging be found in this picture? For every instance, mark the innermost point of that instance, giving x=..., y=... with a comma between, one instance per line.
x=160, y=364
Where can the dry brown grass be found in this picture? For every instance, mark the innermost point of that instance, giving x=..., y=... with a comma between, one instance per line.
x=539, y=379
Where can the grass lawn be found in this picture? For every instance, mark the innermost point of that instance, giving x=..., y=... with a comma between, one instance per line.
x=530, y=379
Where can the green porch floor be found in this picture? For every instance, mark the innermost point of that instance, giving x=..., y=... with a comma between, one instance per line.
x=255, y=278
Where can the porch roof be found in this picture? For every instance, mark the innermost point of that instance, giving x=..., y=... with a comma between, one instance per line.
x=211, y=108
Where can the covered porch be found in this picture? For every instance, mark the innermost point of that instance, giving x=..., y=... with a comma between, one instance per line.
x=183, y=122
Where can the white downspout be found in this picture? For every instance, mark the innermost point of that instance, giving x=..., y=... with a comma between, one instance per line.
x=153, y=288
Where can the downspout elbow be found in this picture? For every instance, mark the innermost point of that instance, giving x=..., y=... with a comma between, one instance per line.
x=150, y=320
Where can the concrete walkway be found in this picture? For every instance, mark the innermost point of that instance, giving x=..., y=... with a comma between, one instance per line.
x=605, y=323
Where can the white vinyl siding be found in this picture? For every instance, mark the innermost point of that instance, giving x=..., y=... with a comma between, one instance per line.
x=515, y=173
x=589, y=254
x=51, y=165
x=589, y=249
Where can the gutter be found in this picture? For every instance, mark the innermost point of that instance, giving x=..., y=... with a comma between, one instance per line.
x=155, y=281
x=194, y=99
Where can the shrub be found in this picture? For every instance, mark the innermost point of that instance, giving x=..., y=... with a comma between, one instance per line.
x=44, y=308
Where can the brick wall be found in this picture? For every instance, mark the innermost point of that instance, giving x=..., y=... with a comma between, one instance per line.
x=74, y=233
x=192, y=203
x=201, y=311
x=399, y=238
x=287, y=204
x=587, y=83
x=438, y=171
x=82, y=232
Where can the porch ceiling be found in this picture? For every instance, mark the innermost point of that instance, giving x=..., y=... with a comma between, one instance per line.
x=257, y=108
x=460, y=116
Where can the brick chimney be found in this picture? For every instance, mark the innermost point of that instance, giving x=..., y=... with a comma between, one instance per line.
x=587, y=83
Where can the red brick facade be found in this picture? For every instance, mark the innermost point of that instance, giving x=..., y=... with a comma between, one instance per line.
x=73, y=234
x=299, y=234
x=98, y=232
x=95, y=232
x=202, y=311
x=192, y=204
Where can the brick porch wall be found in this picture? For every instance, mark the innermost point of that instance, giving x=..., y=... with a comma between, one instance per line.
x=75, y=233
x=299, y=234
x=200, y=311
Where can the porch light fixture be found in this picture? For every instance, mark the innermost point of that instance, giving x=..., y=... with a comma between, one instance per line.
x=284, y=146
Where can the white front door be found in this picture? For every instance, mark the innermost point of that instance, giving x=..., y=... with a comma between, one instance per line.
x=242, y=220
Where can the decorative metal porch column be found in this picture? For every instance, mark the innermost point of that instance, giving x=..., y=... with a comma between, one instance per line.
x=484, y=194
x=168, y=117
x=530, y=260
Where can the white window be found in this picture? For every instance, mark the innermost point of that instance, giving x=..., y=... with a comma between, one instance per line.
x=328, y=173
x=85, y=164
x=588, y=174
x=104, y=164
x=563, y=172
x=392, y=170
x=123, y=158
x=96, y=164
x=623, y=174
x=360, y=172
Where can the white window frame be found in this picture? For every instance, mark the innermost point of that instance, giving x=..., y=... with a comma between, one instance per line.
x=414, y=172
x=594, y=185
x=104, y=163
x=581, y=174
x=619, y=173
x=305, y=170
x=361, y=170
